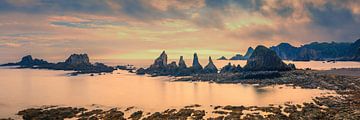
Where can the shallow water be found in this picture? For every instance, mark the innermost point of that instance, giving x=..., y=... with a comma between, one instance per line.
x=24, y=88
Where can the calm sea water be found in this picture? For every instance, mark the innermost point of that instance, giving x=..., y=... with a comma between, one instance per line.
x=24, y=88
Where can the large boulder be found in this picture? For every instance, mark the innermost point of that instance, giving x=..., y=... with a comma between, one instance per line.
x=196, y=66
x=78, y=59
x=264, y=59
x=210, y=67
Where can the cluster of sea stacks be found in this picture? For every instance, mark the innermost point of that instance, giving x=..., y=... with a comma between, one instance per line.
x=261, y=59
x=161, y=68
x=76, y=62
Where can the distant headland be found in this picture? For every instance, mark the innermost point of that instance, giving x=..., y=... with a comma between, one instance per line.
x=75, y=62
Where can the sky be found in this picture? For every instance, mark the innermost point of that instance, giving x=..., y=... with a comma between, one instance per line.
x=141, y=29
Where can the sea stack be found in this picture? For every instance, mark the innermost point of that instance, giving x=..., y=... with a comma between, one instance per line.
x=78, y=59
x=196, y=67
x=182, y=64
x=264, y=59
x=26, y=61
x=210, y=67
x=160, y=62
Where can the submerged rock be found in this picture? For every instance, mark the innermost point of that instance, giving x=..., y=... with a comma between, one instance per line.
x=210, y=67
x=196, y=67
x=264, y=59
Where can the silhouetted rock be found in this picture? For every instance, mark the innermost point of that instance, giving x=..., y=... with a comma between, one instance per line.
x=77, y=59
x=140, y=71
x=172, y=68
x=264, y=59
x=249, y=51
x=237, y=57
x=160, y=62
x=77, y=62
x=210, y=67
x=231, y=68
x=182, y=64
x=317, y=51
x=222, y=58
x=159, y=67
x=196, y=67
x=26, y=61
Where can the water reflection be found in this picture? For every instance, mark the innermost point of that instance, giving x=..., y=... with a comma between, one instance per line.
x=23, y=88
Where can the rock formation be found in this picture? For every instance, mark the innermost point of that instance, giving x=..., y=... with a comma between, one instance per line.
x=76, y=62
x=210, y=67
x=182, y=64
x=264, y=59
x=222, y=58
x=159, y=67
x=231, y=68
x=317, y=51
x=172, y=68
x=77, y=59
x=196, y=67
x=237, y=57
x=249, y=51
x=182, y=70
x=160, y=62
x=140, y=71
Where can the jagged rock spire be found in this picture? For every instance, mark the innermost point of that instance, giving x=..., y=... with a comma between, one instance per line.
x=196, y=65
x=182, y=63
x=210, y=67
x=161, y=61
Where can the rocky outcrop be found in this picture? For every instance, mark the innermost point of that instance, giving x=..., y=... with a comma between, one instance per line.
x=182, y=64
x=172, y=68
x=160, y=62
x=210, y=67
x=159, y=67
x=231, y=69
x=78, y=59
x=196, y=66
x=222, y=58
x=140, y=71
x=264, y=59
x=237, y=57
x=76, y=62
x=249, y=51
